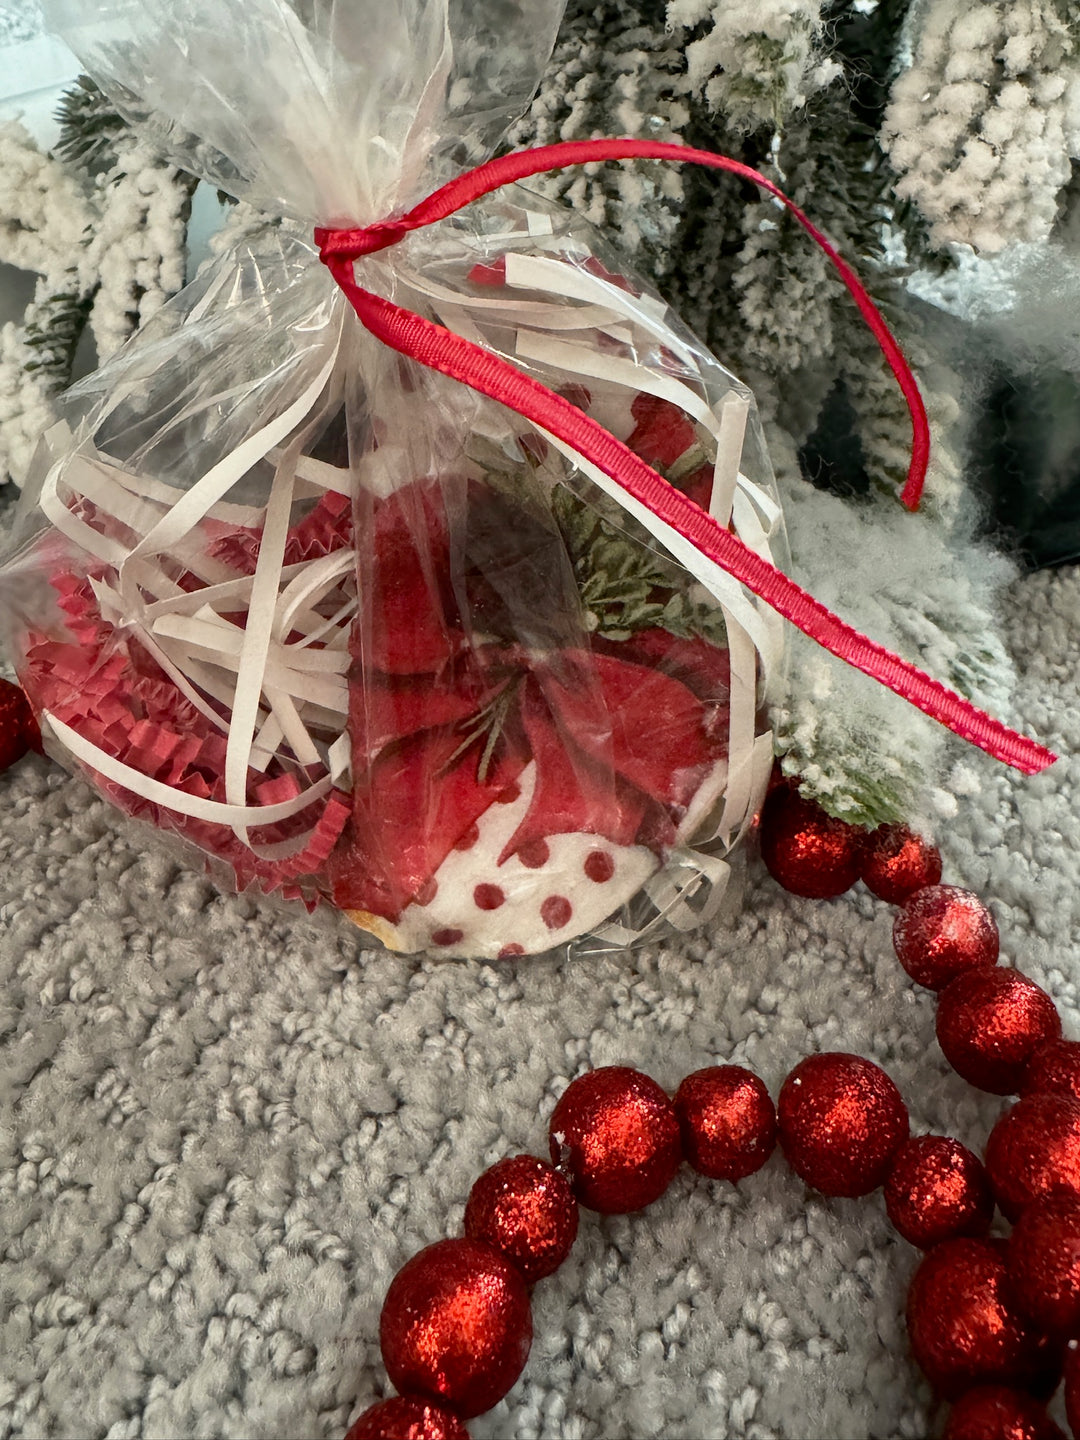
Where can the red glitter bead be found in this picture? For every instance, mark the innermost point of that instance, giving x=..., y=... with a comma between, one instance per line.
x=805, y=850
x=406, y=1418
x=527, y=1211
x=1044, y=1262
x=456, y=1325
x=841, y=1121
x=943, y=931
x=728, y=1122
x=994, y=1412
x=896, y=862
x=616, y=1135
x=18, y=728
x=989, y=1022
x=963, y=1327
x=937, y=1190
x=1054, y=1068
x=1034, y=1148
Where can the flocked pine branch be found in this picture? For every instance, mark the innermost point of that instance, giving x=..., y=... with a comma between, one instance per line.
x=755, y=61
x=917, y=584
x=45, y=213
x=102, y=222
x=984, y=123
x=139, y=247
x=90, y=128
x=615, y=71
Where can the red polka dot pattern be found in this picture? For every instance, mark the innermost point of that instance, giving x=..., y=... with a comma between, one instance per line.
x=488, y=897
x=535, y=854
x=600, y=866
x=556, y=912
x=446, y=937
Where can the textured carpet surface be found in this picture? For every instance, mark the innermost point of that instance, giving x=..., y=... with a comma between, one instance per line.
x=225, y=1127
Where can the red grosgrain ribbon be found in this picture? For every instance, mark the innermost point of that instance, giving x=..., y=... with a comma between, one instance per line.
x=440, y=349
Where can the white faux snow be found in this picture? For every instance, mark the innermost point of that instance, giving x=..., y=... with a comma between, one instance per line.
x=983, y=125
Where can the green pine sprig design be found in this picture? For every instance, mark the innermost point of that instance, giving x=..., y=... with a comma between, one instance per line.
x=53, y=330
x=90, y=127
x=625, y=585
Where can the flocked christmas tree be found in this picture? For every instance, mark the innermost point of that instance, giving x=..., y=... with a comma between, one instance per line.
x=915, y=134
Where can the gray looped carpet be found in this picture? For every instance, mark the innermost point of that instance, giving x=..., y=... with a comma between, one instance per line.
x=225, y=1126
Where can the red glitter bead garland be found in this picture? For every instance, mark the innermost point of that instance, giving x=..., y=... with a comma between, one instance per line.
x=994, y=1412
x=405, y=1418
x=805, y=850
x=963, y=1326
x=841, y=1121
x=985, y=1318
x=456, y=1325
x=527, y=1211
x=895, y=862
x=19, y=731
x=937, y=1190
x=989, y=1022
x=727, y=1120
x=615, y=1134
x=1034, y=1148
x=1043, y=1260
x=1054, y=1068
x=941, y=932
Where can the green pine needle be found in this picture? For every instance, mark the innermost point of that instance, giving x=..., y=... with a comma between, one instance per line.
x=90, y=126
x=625, y=585
x=53, y=331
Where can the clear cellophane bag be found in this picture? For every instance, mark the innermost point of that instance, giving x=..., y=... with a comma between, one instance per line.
x=352, y=631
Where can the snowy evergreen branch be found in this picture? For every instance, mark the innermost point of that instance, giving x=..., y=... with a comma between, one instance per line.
x=45, y=215
x=90, y=128
x=52, y=328
x=102, y=222
x=982, y=126
x=756, y=60
x=612, y=74
x=139, y=249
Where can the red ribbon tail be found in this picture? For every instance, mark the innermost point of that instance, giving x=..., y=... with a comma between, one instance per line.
x=521, y=164
x=439, y=349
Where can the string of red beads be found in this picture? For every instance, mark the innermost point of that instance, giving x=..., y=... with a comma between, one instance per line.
x=18, y=729
x=986, y=1318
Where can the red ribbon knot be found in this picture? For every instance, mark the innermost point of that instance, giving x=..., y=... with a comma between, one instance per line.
x=349, y=245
